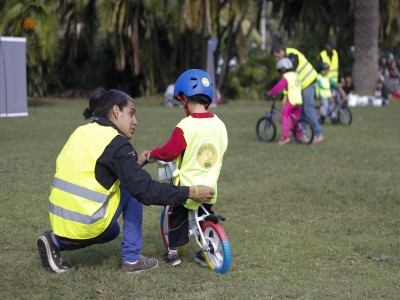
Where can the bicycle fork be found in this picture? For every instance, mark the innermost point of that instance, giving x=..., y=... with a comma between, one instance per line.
x=195, y=228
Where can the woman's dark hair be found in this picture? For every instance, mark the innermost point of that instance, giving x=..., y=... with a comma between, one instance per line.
x=101, y=101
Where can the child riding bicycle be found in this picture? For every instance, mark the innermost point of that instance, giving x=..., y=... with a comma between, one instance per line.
x=292, y=101
x=323, y=92
x=198, y=143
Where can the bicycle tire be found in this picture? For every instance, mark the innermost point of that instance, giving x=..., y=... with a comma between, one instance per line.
x=344, y=116
x=164, y=226
x=266, y=129
x=303, y=132
x=219, y=258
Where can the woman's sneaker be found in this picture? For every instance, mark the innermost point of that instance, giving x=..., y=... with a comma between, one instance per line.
x=49, y=253
x=143, y=264
x=199, y=258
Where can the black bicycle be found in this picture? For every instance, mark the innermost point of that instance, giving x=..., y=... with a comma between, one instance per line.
x=302, y=130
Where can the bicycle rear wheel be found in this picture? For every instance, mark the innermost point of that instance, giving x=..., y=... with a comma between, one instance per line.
x=303, y=132
x=345, y=116
x=164, y=226
x=266, y=129
x=219, y=256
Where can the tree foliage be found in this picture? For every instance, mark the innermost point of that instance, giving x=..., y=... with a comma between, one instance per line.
x=143, y=45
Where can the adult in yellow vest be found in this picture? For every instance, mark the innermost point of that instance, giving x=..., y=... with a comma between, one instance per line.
x=99, y=176
x=330, y=56
x=307, y=75
x=198, y=143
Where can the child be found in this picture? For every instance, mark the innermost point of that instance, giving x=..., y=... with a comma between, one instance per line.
x=324, y=94
x=198, y=143
x=292, y=100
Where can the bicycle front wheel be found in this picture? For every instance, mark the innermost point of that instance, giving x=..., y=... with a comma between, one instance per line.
x=218, y=256
x=303, y=132
x=345, y=116
x=266, y=129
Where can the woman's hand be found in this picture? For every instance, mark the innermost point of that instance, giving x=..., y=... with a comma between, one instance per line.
x=201, y=193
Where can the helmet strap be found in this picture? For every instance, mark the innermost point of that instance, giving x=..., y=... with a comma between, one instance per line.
x=182, y=99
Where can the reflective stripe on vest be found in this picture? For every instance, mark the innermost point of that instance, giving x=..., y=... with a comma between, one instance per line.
x=333, y=64
x=305, y=70
x=75, y=216
x=83, y=193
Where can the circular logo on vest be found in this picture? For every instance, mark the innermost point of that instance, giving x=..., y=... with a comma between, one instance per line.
x=207, y=156
x=205, y=81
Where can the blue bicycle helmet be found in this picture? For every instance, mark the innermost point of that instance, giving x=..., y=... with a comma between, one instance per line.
x=194, y=82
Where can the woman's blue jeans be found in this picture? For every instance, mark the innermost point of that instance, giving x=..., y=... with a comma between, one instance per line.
x=131, y=243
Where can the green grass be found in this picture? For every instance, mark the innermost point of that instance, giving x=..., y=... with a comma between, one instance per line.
x=304, y=222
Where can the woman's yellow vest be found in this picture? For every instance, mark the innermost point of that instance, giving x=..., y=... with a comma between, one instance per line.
x=323, y=89
x=305, y=70
x=293, y=92
x=333, y=64
x=206, y=143
x=80, y=208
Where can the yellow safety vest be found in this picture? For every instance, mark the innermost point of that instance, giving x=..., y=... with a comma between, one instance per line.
x=293, y=92
x=323, y=91
x=207, y=141
x=333, y=64
x=305, y=70
x=80, y=208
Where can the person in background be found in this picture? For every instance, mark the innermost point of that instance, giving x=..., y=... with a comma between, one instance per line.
x=169, y=95
x=330, y=56
x=198, y=143
x=307, y=75
x=324, y=94
x=292, y=100
x=347, y=86
x=99, y=176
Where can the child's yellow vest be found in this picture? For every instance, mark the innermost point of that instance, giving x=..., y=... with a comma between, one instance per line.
x=293, y=92
x=206, y=143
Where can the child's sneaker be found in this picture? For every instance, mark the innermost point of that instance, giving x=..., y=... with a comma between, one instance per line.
x=172, y=259
x=318, y=139
x=199, y=258
x=284, y=141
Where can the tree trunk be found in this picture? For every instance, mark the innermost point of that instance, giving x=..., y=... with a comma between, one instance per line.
x=365, y=69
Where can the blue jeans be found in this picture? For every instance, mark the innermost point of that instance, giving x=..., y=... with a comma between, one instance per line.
x=308, y=109
x=132, y=216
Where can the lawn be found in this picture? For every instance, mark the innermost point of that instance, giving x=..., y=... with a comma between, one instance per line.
x=304, y=222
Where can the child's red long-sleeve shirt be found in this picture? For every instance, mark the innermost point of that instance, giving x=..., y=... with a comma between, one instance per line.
x=176, y=144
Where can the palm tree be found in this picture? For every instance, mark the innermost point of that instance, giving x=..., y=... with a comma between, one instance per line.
x=365, y=69
x=36, y=20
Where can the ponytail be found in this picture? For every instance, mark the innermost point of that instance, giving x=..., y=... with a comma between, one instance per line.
x=94, y=100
